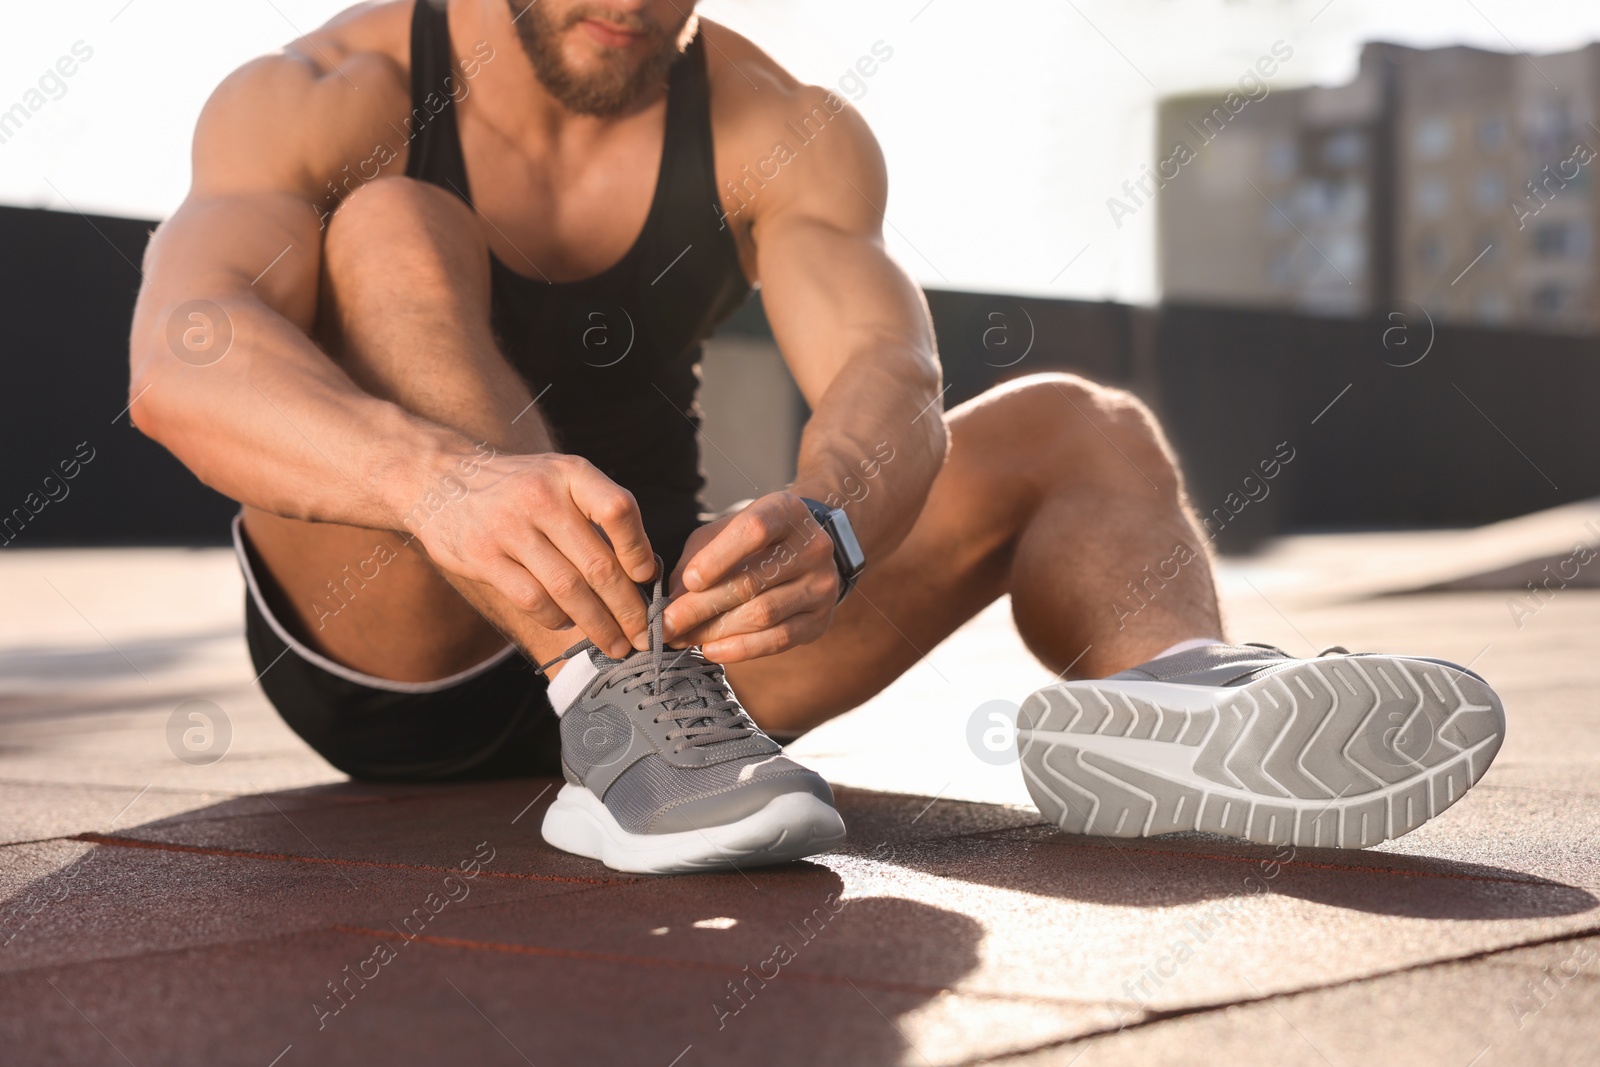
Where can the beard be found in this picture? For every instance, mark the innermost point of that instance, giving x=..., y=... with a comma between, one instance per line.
x=617, y=81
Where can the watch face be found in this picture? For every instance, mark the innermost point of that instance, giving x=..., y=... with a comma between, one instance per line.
x=845, y=537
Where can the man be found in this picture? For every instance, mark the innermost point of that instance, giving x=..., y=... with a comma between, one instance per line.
x=431, y=313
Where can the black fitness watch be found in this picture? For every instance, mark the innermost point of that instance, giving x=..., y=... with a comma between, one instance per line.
x=847, y=554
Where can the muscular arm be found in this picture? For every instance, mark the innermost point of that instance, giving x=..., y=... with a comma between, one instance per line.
x=855, y=333
x=272, y=422
x=261, y=414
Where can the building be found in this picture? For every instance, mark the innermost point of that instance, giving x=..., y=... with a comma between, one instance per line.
x=1455, y=179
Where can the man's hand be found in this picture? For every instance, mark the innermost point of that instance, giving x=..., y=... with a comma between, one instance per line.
x=755, y=583
x=529, y=526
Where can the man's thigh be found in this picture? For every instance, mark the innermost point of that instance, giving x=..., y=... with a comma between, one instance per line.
x=955, y=562
x=369, y=600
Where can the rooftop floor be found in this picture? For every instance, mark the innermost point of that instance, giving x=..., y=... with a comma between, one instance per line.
x=162, y=912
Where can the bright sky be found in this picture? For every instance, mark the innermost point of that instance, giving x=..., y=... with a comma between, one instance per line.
x=1006, y=123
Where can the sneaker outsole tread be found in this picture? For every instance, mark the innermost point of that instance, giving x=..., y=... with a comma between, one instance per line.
x=1341, y=753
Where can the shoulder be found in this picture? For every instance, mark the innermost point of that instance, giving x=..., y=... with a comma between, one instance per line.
x=753, y=96
x=363, y=32
x=298, y=113
x=766, y=119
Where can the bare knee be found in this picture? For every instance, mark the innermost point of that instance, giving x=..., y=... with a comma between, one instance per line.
x=403, y=228
x=401, y=257
x=1061, y=425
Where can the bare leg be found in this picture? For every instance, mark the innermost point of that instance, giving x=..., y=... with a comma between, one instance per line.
x=1057, y=491
x=405, y=311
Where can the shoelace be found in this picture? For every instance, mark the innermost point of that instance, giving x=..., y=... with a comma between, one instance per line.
x=687, y=688
x=1331, y=650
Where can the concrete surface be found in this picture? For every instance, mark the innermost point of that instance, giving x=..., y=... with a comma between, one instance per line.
x=158, y=911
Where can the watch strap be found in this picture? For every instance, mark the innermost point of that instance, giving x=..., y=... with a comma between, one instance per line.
x=824, y=515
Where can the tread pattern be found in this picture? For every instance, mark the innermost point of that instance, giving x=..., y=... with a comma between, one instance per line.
x=1340, y=753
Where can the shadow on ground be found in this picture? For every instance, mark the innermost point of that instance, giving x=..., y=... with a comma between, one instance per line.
x=330, y=918
x=1177, y=869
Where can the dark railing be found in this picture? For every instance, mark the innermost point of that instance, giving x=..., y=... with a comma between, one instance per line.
x=1488, y=424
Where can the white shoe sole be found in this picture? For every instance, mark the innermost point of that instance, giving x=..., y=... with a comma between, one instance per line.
x=1333, y=753
x=790, y=827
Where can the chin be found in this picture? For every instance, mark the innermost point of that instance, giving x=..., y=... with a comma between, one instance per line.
x=588, y=58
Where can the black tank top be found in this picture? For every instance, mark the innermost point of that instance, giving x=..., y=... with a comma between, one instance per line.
x=613, y=359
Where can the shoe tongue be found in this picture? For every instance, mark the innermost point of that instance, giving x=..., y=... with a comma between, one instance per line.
x=682, y=688
x=685, y=694
x=690, y=701
x=601, y=660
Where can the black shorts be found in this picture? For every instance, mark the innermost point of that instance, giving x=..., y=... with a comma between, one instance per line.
x=489, y=721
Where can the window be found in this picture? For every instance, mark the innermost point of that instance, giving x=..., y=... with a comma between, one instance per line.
x=1283, y=158
x=1489, y=190
x=1347, y=252
x=1561, y=240
x=1486, y=242
x=1492, y=133
x=1433, y=197
x=1347, y=148
x=1432, y=137
x=1550, y=299
x=1492, y=307
x=1431, y=252
x=1550, y=121
x=1315, y=201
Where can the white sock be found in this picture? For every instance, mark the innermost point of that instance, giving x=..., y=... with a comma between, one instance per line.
x=1193, y=642
x=578, y=672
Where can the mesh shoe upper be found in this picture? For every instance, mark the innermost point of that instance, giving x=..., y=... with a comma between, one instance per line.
x=1209, y=665
x=660, y=738
x=1234, y=665
x=654, y=796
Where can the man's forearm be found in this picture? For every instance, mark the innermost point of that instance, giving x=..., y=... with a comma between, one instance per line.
x=874, y=444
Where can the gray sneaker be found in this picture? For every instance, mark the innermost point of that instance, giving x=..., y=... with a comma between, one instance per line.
x=1341, y=751
x=667, y=773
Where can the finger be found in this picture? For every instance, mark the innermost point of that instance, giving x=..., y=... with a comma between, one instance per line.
x=512, y=581
x=769, y=609
x=675, y=586
x=690, y=611
x=563, y=584
x=692, y=545
x=795, y=631
x=613, y=508
x=747, y=533
x=779, y=564
x=600, y=568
